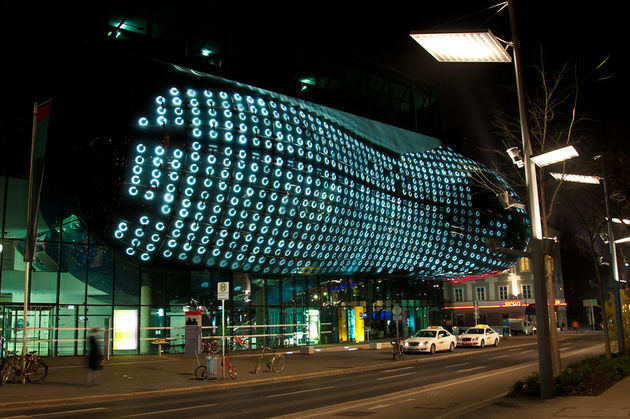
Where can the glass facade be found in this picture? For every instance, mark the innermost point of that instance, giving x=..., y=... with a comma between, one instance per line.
x=79, y=283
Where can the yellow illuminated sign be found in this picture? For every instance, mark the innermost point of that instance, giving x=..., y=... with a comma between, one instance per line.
x=125, y=329
x=359, y=327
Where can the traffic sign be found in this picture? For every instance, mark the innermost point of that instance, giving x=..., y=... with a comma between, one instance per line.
x=223, y=291
x=396, y=310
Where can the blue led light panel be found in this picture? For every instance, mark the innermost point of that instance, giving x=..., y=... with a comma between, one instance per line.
x=257, y=184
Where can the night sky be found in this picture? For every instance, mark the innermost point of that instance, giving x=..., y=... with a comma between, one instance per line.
x=470, y=93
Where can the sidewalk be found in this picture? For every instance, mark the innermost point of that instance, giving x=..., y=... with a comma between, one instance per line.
x=614, y=403
x=125, y=376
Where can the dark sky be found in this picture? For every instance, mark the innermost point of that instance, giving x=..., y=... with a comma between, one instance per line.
x=563, y=30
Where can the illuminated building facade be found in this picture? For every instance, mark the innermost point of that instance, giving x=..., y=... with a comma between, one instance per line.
x=162, y=181
x=320, y=220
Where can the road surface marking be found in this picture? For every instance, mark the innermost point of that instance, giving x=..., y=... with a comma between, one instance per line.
x=357, y=404
x=378, y=406
x=394, y=376
x=527, y=351
x=471, y=369
x=62, y=413
x=397, y=369
x=298, y=392
x=171, y=410
x=456, y=365
x=499, y=356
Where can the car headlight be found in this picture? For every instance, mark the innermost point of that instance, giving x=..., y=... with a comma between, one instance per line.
x=475, y=339
x=406, y=343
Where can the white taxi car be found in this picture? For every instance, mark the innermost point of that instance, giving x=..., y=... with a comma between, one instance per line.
x=480, y=335
x=430, y=340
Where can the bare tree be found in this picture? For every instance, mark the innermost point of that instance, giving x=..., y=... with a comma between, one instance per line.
x=591, y=220
x=554, y=123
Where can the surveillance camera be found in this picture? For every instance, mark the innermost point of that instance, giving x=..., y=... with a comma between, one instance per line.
x=515, y=155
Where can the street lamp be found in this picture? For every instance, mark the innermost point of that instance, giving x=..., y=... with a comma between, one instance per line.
x=485, y=47
x=614, y=266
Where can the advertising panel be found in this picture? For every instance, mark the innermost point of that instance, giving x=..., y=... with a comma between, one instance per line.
x=125, y=329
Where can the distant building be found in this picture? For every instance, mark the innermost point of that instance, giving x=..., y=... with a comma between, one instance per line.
x=501, y=298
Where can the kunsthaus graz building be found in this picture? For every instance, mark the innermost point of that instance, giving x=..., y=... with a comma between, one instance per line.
x=162, y=181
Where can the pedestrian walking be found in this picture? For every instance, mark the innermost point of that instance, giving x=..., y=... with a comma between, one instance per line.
x=94, y=358
x=575, y=325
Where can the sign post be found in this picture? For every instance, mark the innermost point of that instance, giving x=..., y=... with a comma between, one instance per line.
x=223, y=293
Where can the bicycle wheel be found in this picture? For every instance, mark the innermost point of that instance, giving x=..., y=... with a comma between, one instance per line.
x=201, y=373
x=278, y=363
x=232, y=372
x=36, y=371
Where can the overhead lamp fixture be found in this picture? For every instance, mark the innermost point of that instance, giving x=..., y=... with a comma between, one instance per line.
x=555, y=156
x=623, y=240
x=618, y=221
x=467, y=47
x=594, y=180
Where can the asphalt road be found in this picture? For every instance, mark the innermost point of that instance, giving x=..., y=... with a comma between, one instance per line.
x=441, y=385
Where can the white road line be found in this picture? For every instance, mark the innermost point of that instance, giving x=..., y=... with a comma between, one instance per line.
x=361, y=403
x=499, y=356
x=378, y=406
x=171, y=410
x=394, y=376
x=527, y=351
x=456, y=365
x=470, y=369
x=397, y=369
x=298, y=392
x=64, y=412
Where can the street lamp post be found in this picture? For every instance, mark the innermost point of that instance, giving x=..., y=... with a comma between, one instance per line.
x=615, y=271
x=614, y=265
x=545, y=363
x=484, y=47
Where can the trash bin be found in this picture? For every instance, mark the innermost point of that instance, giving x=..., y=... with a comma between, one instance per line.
x=213, y=367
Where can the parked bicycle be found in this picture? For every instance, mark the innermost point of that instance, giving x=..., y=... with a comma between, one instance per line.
x=398, y=350
x=274, y=360
x=212, y=346
x=201, y=372
x=281, y=341
x=35, y=370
